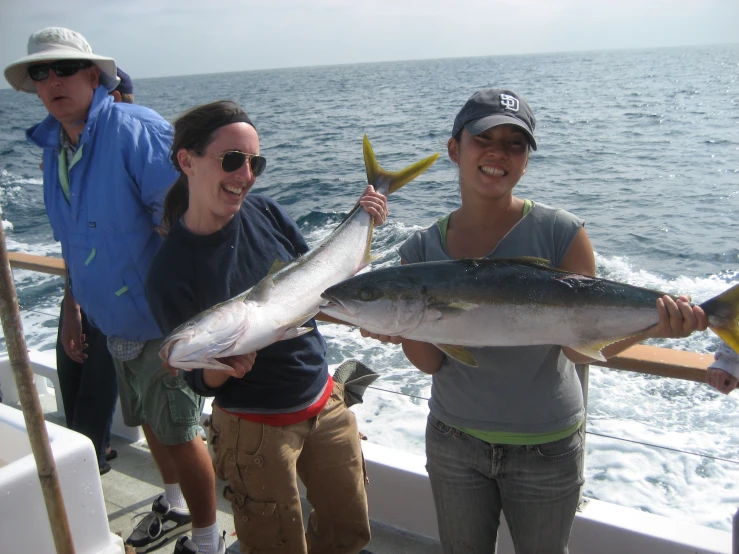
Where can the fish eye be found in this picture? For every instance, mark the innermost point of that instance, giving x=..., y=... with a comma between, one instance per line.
x=366, y=294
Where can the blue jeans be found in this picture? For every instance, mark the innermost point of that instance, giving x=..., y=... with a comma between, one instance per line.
x=536, y=486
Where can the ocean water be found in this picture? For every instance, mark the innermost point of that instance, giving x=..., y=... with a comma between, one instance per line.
x=642, y=144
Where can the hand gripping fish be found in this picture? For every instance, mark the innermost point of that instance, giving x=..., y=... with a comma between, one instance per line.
x=483, y=302
x=277, y=307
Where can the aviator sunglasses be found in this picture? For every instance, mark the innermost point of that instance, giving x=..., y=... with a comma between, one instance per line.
x=62, y=68
x=233, y=160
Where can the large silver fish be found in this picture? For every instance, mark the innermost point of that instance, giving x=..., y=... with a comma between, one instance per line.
x=277, y=307
x=519, y=302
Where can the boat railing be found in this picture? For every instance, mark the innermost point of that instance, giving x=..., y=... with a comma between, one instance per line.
x=641, y=359
x=648, y=360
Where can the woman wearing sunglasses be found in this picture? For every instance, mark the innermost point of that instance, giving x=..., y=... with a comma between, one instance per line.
x=277, y=414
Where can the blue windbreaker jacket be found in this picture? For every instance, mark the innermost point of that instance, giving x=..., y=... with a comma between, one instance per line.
x=117, y=183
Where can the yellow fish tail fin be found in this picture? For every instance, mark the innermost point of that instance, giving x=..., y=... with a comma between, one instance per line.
x=396, y=179
x=723, y=313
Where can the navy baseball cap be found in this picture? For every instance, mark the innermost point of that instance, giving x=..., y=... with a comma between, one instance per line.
x=126, y=84
x=492, y=107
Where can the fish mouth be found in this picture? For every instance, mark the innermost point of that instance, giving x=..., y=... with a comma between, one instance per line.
x=336, y=308
x=188, y=362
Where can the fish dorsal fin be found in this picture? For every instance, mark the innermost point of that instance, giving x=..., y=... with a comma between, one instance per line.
x=396, y=179
x=277, y=265
x=261, y=288
x=459, y=353
x=531, y=260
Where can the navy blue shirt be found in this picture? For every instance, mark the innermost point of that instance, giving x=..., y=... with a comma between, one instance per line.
x=191, y=273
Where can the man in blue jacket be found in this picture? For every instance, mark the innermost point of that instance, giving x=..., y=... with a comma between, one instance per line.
x=106, y=172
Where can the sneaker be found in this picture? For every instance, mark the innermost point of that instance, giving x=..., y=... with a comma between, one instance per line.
x=185, y=545
x=158, y=527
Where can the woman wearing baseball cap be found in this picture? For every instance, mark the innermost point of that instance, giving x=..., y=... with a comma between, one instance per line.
x=507, y=436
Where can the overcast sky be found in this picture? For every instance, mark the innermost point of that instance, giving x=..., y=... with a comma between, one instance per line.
x=153, y=38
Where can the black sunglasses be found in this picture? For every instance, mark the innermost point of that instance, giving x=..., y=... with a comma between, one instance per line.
x=62, y=68
x=233, y=160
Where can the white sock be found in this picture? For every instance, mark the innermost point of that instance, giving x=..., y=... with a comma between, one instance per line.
x=206, y=538
x=173, y=494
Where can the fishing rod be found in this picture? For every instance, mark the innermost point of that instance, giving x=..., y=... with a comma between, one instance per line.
x=31, y=405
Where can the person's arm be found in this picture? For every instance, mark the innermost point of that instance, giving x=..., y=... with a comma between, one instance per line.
x=676, y=318
x=723, y=373
x=151, y=167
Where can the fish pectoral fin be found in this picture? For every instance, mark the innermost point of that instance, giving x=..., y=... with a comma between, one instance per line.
x=593, y=349
x=293, y=332
x=298, y=321
x=458, y=353
x=441, y=311
x=213, y=363
x=210, y=363
x=295, y=328
x=465, y=306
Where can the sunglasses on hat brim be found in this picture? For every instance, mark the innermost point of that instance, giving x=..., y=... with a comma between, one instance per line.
x=62, y=68
x=234, y=160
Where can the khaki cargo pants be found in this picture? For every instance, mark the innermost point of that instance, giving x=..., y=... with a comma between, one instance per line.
x=261, y=464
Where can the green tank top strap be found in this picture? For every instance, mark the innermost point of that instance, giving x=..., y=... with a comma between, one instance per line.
x=443, y=222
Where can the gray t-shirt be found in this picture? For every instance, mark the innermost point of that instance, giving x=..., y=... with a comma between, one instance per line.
x=520, y=389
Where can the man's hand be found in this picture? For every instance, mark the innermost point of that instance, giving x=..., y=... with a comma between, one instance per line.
x=73, y=340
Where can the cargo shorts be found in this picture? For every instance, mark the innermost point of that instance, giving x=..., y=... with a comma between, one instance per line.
x=150, y=394
x=261, y=464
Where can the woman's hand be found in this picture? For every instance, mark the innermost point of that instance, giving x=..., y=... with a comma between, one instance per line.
x=374, y=204
x=382, y=338
x=677, y=318
x=721, y=380
x=240, y=366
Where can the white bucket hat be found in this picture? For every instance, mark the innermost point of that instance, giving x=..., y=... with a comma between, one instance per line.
x=58, y=43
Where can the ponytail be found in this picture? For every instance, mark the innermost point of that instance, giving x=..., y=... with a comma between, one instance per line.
x=175, y=204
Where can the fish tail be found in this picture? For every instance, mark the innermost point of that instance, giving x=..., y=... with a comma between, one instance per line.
x=723, y=313
x=396, y=179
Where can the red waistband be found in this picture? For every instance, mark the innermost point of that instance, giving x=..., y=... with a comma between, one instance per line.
x=280, y=420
